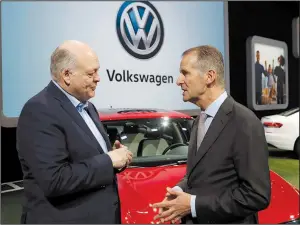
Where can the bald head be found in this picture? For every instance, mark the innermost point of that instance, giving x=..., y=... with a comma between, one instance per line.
x=77, y=48
x=74, y=66
x=68, y=55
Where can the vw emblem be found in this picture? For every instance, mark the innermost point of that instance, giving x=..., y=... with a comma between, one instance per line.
x=140, y=29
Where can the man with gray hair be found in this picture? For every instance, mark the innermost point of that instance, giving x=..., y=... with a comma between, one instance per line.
x=69, y=166
x=227, y=178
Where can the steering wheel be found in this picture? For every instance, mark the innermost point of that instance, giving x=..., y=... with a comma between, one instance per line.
x=172, y=146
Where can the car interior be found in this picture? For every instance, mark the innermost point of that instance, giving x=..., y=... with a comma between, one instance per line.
x=150, y=140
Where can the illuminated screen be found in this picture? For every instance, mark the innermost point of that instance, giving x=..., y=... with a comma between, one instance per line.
x=268, y=74
x=139, y=45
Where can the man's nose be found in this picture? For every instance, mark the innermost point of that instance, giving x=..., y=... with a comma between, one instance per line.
x=179, y=80
x=97, y=78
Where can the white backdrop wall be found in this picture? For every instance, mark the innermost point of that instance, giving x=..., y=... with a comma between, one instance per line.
x=30, y=31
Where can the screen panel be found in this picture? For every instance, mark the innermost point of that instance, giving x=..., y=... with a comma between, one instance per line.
x=132, y=75
x=267, y=74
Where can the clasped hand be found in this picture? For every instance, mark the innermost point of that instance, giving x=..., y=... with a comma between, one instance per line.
x=120, y=155
x=174, y=206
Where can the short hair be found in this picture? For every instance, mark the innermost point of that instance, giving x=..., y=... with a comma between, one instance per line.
x=209, y=57
x=282, y=60
x=61, y=59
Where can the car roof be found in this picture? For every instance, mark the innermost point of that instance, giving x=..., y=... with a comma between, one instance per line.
x=138, y=113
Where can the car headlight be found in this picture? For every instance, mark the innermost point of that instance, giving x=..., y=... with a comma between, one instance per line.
x=296, y=221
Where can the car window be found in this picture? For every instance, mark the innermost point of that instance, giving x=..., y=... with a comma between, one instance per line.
x=152, y=140
x=186, y=127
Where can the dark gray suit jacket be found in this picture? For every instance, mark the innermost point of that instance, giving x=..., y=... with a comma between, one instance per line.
x=229, y=173
x=67, y=176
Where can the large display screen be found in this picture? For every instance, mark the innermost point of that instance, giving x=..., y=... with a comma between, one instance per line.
x=139, y=45
x=267, y=74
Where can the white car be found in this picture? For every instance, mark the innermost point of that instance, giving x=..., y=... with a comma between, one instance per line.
x=282, y=130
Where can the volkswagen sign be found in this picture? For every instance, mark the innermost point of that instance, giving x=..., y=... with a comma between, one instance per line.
x=140, y=29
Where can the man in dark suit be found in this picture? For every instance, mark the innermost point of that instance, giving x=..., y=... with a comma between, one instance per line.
x=68, y=164
x=227, y=178
x=280, y=73
x=259, y=70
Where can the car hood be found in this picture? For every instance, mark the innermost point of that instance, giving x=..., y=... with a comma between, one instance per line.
x=284, y=205
x=140, y=187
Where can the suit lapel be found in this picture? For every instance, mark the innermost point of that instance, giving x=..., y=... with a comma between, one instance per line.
x=192, y=144
x=72, y=111
x=215, y=128
x=95, y=117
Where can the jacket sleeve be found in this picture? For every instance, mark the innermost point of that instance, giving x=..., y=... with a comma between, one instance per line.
x=250, y=157
x=42, y=146
x=183, y=183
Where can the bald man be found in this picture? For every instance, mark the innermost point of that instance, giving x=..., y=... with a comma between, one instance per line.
x=68, y=163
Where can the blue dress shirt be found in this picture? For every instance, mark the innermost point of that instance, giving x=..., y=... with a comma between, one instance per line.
x=86, y=117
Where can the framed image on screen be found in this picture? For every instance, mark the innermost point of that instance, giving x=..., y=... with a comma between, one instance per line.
x=267, y=74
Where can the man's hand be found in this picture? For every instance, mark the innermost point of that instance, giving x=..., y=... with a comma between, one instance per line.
x=174, y=209
x=117, y=145
x=169, y=197
x=120, y=156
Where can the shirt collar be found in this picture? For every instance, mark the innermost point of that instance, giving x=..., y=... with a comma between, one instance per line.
x=73, y=100
x=213, y=108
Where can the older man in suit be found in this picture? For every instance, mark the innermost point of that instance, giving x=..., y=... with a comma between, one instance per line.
x=227, y=178
x=67, y=160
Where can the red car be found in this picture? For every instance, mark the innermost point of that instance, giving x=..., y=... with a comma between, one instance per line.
x=159, y=142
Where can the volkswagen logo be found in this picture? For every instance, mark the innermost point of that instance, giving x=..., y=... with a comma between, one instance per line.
x=140, y=29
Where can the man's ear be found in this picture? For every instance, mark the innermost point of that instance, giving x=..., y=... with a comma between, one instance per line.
x=66, y=75
x=211, y=77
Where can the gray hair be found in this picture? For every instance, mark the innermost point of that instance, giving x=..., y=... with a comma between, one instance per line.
x=209, y=58
x=61, y=59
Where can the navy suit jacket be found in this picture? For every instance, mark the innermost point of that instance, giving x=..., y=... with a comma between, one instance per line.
x=67, y=176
